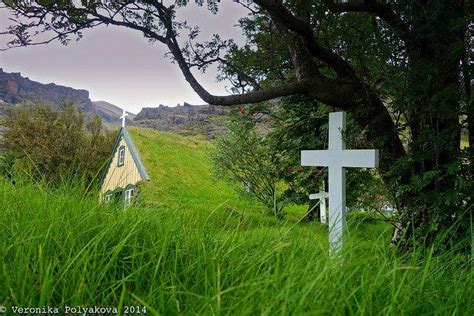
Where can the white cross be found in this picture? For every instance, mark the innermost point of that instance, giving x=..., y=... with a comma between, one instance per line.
x=322, y=196
x=336, y=158
x=123, y=118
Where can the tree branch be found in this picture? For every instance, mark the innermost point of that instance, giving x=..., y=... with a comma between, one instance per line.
x=250, y=97
x=278, y=12
x=382, y=10
x=288, y=89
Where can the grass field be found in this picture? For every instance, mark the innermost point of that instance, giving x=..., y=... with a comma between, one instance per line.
x=193, y=246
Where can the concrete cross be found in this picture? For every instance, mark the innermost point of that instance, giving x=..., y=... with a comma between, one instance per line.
x=336, y=158
x=322, y=196
x=123, y=118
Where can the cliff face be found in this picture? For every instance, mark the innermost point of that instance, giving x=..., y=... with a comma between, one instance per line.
x=186, y=119
x=15, y=89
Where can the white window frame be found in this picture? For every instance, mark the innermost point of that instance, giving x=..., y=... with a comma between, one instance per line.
x=121, y=156
x=129, y=193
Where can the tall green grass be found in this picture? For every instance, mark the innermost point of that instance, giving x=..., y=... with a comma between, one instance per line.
x=59, y=247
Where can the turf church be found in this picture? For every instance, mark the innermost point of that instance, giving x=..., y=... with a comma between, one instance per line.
x=124, y=171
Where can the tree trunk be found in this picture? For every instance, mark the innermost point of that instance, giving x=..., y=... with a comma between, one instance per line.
x=422, y=176
x=428, y=200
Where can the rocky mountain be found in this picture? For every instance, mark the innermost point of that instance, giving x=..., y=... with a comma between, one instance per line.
x=186, y=119
x=16, y=89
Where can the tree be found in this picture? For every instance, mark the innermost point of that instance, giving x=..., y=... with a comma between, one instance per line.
x=400, y=68
x=279, y=132
x=301, y=123
x=52, y=145
x=243, y=157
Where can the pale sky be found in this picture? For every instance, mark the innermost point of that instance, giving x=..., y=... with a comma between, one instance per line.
x=119, y=66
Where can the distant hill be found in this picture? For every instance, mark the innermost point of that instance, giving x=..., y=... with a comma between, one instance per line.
x=186, y=119
x=16, y=89
x=110, y=112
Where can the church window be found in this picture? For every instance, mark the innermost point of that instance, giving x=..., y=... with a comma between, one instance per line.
x=128, y=196
x=121, y=156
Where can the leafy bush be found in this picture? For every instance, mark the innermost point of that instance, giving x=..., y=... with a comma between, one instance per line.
x=243, y=156
x=51, y=145
x=264, y=145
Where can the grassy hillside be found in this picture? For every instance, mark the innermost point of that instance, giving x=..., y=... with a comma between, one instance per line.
x=180, y=174
x=196, y=247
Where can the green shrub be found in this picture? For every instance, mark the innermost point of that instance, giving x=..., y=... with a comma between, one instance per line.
x=50, y=145
x=243, y=157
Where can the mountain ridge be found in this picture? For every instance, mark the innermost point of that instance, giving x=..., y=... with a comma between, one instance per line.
x=206, y=119
x=186, y=119
x=18, y=90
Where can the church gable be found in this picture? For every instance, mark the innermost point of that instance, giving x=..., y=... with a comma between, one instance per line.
x=125, y=167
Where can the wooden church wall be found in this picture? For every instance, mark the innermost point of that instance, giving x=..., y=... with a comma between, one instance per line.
x=123, y=175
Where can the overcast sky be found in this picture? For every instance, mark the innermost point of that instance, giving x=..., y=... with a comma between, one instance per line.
x=119, y=65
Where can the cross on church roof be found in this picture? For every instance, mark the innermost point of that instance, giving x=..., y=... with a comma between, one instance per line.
x=123, y=118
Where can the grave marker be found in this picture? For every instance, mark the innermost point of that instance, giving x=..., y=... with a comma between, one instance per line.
x=337, y=158
x=322, y=196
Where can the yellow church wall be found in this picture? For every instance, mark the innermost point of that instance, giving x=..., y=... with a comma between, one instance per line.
x=121, y=176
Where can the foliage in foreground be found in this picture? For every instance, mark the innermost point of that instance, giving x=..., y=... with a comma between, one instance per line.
x=262, y=148
x=52, y=144
x=63, y=248
x=244, y=158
